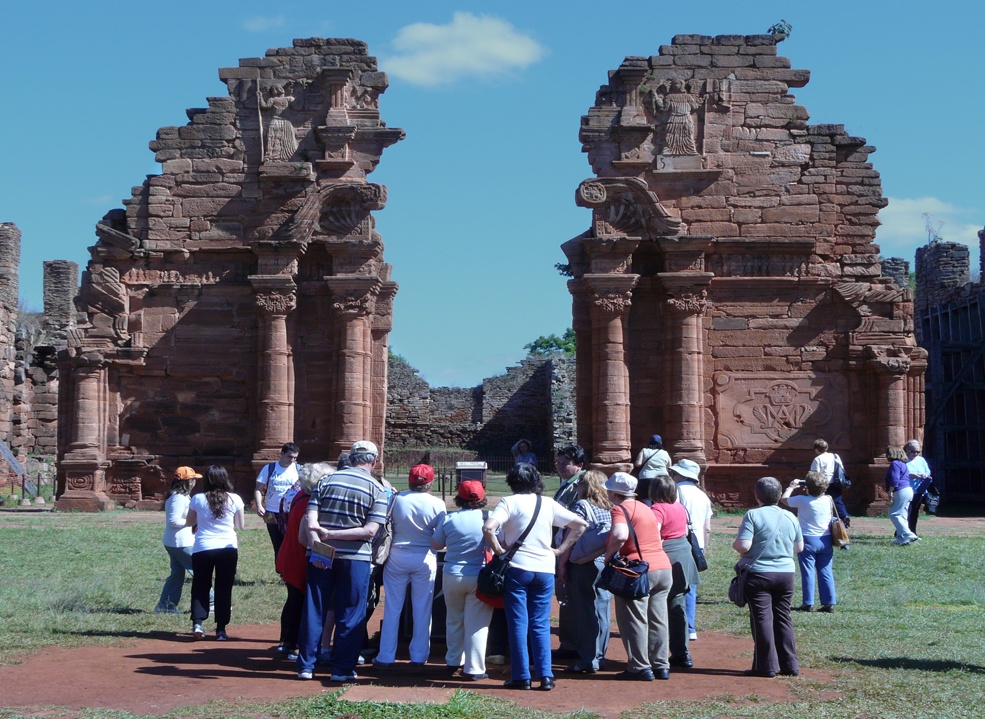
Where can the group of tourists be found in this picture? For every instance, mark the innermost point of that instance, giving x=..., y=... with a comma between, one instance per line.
x=339, y=532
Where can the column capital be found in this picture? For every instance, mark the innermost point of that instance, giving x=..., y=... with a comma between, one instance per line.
x=687, y=292
x=276, y=304
x=383, y=315
x=354, y=296
x=611, y=293
x=888, y=360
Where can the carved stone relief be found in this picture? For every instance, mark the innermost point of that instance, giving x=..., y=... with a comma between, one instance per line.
x=762, y=410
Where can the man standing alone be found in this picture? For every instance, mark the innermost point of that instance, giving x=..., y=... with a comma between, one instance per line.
x=344, y=512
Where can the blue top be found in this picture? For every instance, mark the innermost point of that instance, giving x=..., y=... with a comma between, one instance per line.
x=461, y=533
x=897, y=476
x=776, y=555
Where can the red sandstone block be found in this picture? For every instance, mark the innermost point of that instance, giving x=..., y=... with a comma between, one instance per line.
x=693, y=61
x=747, y=216
x=715, y=229
x=729, y=352
x=791, y=213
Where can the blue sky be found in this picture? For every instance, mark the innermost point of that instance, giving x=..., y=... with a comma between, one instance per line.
x=481, y=193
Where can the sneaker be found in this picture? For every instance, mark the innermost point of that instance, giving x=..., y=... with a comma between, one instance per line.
x=221, y=636
x=351, y=676
x=198, y=632
x=292, y=656
x=304, y=675
x=692, y=637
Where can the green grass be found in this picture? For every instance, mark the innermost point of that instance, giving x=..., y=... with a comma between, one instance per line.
x=906, y=641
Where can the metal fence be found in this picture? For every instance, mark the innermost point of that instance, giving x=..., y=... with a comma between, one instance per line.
x=446, y=479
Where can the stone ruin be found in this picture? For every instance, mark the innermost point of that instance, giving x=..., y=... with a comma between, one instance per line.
x=241, y=299
x=728, y=293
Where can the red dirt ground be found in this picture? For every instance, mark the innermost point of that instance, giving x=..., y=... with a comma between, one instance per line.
x=162, y=672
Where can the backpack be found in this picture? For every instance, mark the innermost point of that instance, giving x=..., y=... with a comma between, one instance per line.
x=839, y=474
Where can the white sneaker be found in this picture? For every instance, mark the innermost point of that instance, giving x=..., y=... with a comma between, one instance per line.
x=304, y=675
x=198, y=632
x=692, y=637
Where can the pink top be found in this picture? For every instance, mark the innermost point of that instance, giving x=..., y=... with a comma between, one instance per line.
x=672, y=518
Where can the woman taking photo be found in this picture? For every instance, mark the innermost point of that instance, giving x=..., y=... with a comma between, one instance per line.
x=767, y=540
x=218, y=512
x=178, y=539
x=530, y=577
x=814, y=512
x=672, y=517
x=642, y=622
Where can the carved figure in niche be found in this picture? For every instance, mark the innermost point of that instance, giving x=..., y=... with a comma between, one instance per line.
x=678, y=103
x=364, y=98
x=282, y=143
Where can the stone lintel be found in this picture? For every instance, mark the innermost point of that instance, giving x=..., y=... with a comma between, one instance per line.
x=272, y=283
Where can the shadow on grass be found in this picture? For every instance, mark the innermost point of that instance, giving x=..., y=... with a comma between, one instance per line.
x=922, y=665
x=157, y=635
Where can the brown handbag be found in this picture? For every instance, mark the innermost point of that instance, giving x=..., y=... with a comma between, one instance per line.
x=839, y=534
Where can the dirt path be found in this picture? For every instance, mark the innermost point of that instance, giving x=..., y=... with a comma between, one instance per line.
x=160, y=672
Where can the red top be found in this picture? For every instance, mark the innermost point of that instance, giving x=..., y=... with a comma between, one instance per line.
x=672, y=518
x=292, y=560
x=647, y=533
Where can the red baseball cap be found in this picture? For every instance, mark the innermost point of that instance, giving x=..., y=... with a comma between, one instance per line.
x=421, y=474
x=471, y=490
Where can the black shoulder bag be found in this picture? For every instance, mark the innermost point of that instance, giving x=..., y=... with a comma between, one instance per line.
x=627, y=578
x=492, y=577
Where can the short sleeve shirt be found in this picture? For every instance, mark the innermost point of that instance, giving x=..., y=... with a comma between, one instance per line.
x=277, y=480
x=348, y=499
x=647, y=534
x=215, y=532
x=461, y=534
x=698, y=505
x=773, y=552
x=672, y=518
x=814, y=514
x=514, y=513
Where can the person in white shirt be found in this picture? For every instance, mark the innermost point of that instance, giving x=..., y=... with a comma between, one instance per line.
x=686, y=473
x=825, y=463
x=920, y=480
x=273, y=482
x=814, y=512
x=178, y=538
x=218, y=512
x=415, y=515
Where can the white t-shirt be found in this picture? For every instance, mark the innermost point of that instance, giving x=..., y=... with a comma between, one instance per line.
x=176, y=534
x=655, y=463
x=698, y=507
x=415, y=515
x=814, y=514
x=825, y=464
x=280, y=480
x=514, y=513
x=215, y=533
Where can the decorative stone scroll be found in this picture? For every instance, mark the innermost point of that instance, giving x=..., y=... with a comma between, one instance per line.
x=627, y=206
x=276, y=303
x=770, y=409
x=689, y=301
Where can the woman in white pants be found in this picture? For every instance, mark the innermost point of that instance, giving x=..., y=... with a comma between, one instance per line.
x=467, y=617
x=411, y=563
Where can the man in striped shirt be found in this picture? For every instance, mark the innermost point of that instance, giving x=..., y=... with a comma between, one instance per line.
x=344, y=511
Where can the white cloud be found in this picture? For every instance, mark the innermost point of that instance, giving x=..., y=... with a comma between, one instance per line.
x=469, y=46
x=904, y=228
x=261, y=23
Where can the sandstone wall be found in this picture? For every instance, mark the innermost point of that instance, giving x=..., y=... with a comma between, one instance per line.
x=10, y=256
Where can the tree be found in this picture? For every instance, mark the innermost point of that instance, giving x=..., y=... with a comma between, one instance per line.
x=552, y=344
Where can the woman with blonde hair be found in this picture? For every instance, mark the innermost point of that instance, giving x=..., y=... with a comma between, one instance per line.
x=814, y=512
x=579, y=571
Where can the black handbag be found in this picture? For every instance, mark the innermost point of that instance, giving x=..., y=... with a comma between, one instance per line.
x=626, y=578
x=492, y=577
x=700, y=563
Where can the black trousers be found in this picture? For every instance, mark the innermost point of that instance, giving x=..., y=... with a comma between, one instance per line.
x=222, y=563
x=276, y=536
x=834, y=491
x=290, y=617
x=769, y=595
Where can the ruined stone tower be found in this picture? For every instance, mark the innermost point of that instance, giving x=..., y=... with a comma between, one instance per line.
x=241, y=299
x=728, y=294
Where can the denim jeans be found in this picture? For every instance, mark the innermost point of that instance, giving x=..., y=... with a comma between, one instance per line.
x=690, y=605
x=818, y=555
x=181, y=562
x=899, y=514
x=343, y=587
x=527, y=603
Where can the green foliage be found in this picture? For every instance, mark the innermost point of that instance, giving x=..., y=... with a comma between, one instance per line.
x=565, y=269
x=394, y=356
x=782, y=28
x=552, y=344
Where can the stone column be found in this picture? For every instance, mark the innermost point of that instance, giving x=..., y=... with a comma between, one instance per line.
x=61, y=285
x=686, y=307
x=611, y=299
x=891, y=372
x=82, y=470
x=353, y=303
x=275, y=300
x=581, y=304
x=382, y=324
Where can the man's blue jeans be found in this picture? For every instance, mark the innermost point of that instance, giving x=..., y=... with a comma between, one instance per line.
x=527, y=602
x=344, y=588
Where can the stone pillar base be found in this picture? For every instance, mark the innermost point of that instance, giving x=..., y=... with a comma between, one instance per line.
x=84, y=500
x=609, y=469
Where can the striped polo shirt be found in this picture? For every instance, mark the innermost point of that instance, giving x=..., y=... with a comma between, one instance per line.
x=347, y=499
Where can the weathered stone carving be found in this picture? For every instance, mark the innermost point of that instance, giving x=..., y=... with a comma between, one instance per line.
x=211, y=329
x=760, y=317
x=617, y=302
